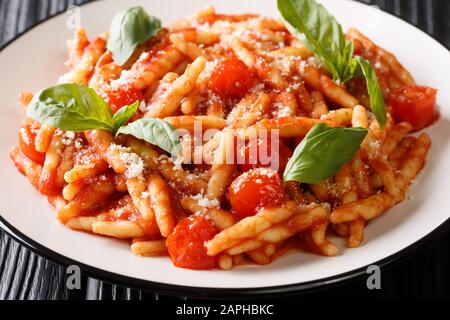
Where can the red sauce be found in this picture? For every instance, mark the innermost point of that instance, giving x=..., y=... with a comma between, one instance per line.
x=232, y=18
x=119, y=209
x=87, y=155
x=47, y=184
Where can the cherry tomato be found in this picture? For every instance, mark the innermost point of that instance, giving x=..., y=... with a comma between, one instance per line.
x=258, y=153
x=121, y=96
x=414, y=104
x=27, y=136
x=186, y=244
x=231, y=79
x=254, y=190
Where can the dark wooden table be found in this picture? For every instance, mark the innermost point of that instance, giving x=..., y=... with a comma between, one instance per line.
x=26, y=275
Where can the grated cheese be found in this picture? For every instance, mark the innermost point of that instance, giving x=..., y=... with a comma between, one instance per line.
x=209, y=68
x=205, y=202
x=68, y=138
x=302, y=66
x=143, y=106
x=283, y=111
x=314, y=62
x=134, y=163
x=24, y=136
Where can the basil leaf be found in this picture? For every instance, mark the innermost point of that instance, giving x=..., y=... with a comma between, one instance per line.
x=124, y=114
x=348, y=64
x=322, y=153
x=373, y=89
x=70, y=107
x=129, y=28
x=155, y=131
x=321, y=33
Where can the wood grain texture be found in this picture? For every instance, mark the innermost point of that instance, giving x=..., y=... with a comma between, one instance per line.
x=25, y=275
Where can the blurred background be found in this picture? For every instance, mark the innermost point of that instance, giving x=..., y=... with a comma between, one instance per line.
x=26, y=275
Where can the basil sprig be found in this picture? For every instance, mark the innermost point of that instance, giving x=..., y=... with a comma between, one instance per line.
x=74, y=107
x=317, y=29
x=128, y=29
x=321, y=33
x=322, y=153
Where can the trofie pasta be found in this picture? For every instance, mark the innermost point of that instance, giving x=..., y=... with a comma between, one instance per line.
x=226, y=139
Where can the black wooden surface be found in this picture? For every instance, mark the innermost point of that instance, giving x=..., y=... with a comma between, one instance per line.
x=26, y=275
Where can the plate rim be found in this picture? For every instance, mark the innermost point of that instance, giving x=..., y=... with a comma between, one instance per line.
x=221, y=293
x=210, y=292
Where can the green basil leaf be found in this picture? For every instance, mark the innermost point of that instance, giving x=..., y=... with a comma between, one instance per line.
x=124, y=114
x=322, y=153
x=373, y=88
x=348, y=65
x=155, y=131
x=71, y=107
x=320, y=32
x=129, y=28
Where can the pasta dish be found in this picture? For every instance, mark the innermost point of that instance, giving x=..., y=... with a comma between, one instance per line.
x=222, y=140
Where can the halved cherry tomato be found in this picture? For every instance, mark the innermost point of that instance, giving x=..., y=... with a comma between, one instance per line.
x=254, y=190
x=231, y=79
x=258, y=153
x=121, y=96
x=414, y=104
x=186, y=244
x=27, y=136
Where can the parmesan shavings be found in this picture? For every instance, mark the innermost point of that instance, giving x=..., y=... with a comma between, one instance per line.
x=205, y=202
x=135, y=165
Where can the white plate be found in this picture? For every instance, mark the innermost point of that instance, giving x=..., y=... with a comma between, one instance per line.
x=36, y=59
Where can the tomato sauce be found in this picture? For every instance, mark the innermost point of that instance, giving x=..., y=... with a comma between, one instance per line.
x=47, y=184
x=209, y=19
